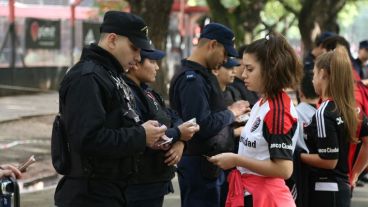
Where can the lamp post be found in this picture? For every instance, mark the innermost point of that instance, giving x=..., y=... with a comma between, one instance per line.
x=12, y=34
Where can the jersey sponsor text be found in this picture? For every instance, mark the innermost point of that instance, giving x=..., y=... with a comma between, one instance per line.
x=248, y=143
x=328, y=150
x=281, y=146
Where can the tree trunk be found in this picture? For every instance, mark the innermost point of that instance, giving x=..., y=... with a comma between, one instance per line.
x=156, y=15
x=320, y=14
x=242, y=20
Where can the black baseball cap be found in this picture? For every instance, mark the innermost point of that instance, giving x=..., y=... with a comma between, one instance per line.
x=231, y=63
x=363, y=44
x=152, y=54
x=128, y=25
x=222, y=34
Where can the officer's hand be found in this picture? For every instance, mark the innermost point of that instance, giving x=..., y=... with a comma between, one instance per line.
x=153, y=132
x=187, y=130
x=9, y=170
x=173, y=156
x=239, y=107
x=237, y=131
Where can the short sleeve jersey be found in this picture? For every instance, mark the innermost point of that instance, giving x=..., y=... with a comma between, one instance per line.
x=270, y=132
x=327, y=137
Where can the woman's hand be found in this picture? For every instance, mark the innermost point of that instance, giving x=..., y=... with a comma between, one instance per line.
x=353, y=179
x=173, y=156
x=224, y=160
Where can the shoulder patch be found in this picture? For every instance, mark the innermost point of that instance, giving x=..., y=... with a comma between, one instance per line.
x=190, y=75
x=88, y=67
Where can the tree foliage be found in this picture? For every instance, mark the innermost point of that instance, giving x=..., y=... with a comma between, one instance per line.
x=315, y=16
x=156, y=14
x=242, y=16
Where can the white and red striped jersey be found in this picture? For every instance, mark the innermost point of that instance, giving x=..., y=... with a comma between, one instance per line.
x=270, y=132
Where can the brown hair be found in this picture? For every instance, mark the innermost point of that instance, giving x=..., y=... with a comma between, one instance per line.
x=340, y=87
x=280, y=66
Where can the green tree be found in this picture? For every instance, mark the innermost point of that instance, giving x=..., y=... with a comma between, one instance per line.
x=242, y=16
x=314, y=16
x=156, y=15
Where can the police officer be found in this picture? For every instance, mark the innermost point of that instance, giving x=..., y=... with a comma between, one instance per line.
x=225, y=76
x=238, y=83
x=317, y=50
x=104, y=132
x=156, y=167
x=362, y=58
x=195, y=92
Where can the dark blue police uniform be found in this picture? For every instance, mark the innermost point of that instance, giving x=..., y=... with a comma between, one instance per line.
x=195, y=92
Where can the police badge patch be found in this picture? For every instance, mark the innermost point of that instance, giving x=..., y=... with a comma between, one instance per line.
x=255, y=124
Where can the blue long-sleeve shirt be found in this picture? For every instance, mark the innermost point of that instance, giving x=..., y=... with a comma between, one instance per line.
x=190, y=96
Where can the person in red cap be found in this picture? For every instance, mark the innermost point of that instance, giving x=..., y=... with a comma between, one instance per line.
x=101, y=126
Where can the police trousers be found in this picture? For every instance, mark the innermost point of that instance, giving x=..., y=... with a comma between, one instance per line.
x=196, y=190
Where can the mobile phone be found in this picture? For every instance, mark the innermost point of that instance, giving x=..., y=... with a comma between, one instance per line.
x=165, y=142
x=22, y=167
x=244, y=118
x=206, y=156
x=193, y=120
x=165, y=139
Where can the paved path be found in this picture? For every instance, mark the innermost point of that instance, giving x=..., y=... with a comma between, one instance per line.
x=15, y=107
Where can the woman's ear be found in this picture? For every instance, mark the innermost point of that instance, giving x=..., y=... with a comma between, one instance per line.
x=324, y=74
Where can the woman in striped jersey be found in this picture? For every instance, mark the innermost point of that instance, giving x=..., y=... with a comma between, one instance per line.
x=267, y=141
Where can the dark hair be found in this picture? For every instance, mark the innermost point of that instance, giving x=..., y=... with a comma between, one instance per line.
x=332, y=42
x=241, y=51
x=306, y=85
x=280, y=67
x=322, y=37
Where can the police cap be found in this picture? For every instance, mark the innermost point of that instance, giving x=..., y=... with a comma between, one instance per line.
x=128, y=25
x=231, y=63
x=363, y=44
x=223, y=35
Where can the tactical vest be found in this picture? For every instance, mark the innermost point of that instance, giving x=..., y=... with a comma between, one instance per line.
x=119, y=113
x=150, y=166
